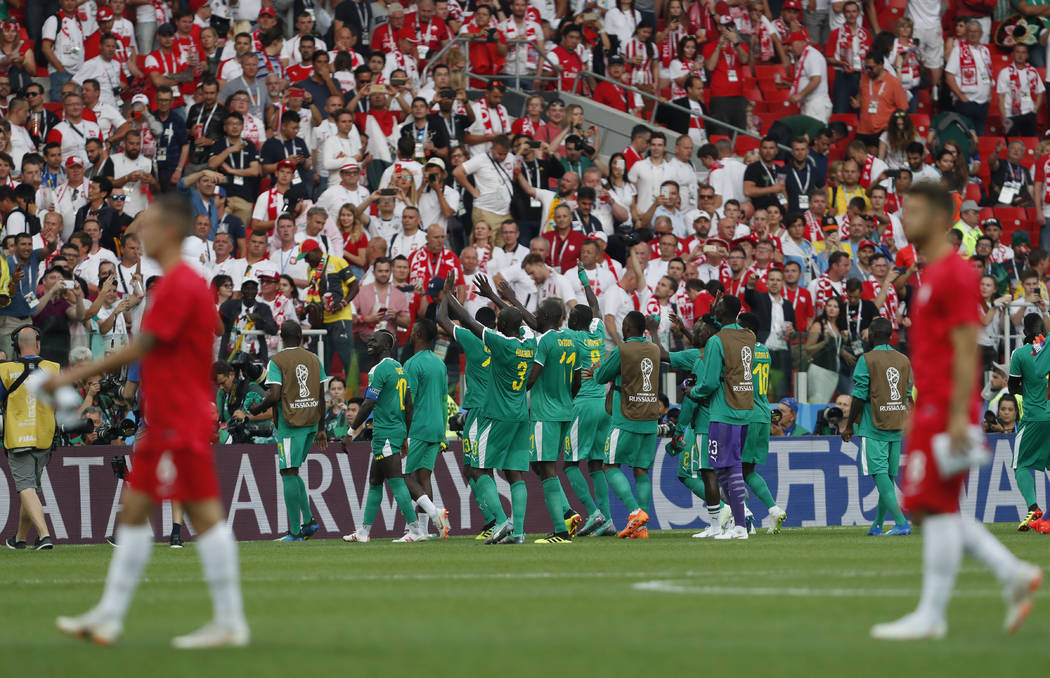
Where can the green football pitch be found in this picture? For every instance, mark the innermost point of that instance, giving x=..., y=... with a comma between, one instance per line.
x=795, y=604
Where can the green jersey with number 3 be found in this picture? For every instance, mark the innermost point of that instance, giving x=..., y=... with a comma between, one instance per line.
x=508, y=373
x=760, y=366
x=590, y=349
x=552, y=392
x=388, y=386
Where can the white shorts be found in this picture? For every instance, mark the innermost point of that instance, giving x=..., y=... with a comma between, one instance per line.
x=817, y=106
x=931, y=46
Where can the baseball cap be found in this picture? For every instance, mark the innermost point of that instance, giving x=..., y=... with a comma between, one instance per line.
x=753, y=239
x=306, y=246
x=166, y=29
x=74, y=160
x=267, y=274
x=866, y=243
x=991, y=221
x=616, y=59
x=394, y=7
x=798, y=35
x=791, y=403
x=830, y=224
x=140, y=99
x=791, y=4
x=1020, y=237
x=1000, y=367
x=104, y=14
x=598, y=235
x=969, y=206
x=286, y=163
x=725, y=19
x=350, y=167
x=717, y=241
x=268, y=11
x=436, y=162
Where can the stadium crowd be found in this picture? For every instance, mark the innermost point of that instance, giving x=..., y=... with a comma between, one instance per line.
x=376, y=134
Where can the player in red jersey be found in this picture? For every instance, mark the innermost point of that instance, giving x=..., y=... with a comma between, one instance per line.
x=173, y=457
x=943, y=341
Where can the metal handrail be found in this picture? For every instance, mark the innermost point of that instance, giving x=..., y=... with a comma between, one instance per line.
x=320, y=334
x=434, y=59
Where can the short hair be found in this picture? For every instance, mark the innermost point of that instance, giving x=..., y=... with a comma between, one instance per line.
x=836, y=257
x=639, y=131
x=915, y=147
x=880, y=328
x=707, y=151
x=531, y=259
x=105, y=184
x=174, y=210
x=935, y=194
x=290, y=116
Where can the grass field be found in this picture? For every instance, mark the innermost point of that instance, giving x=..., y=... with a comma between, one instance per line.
x=796, y=604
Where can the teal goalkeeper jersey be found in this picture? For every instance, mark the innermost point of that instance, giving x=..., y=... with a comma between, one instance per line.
x=1033, y=383
x=711, y=384
x=508, y=373
x=760, y=366
x=428, y=382
x=388, y=387
x=590, y=350
x=551, y=395
x=693, y=414
x=476, y=370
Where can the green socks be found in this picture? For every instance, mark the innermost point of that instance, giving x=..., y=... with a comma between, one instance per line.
x=552, y=495
x=759, y=488
x=304, y=502
x=601, y=492
x=375, y=496
x=292, y=502
x=488, y=497
x=622, y=488
x=579, y=487
x=695, y=485
x=1026, y=483
x=518, y=498
x=486, y=514
x=643, y=488
x=888, y=500
x=403, y=498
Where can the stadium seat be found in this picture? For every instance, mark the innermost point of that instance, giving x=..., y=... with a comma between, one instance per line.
x=767, y=120
x=714, y=139
x=768, y=71
x=986, y=147
x=782, y=108
x=849, y=118
x=921, y=122
x=54, y=106
x=1031, y=146
x=1012, y=219
x=973, y=192
x=745, y=144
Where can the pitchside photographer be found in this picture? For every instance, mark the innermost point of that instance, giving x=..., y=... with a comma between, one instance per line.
x=239, y=390
x=29, y=434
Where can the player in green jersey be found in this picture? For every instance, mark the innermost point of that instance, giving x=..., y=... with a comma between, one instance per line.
x=298, y=412
x=477, y=381
x=389, y=402
x=632, y=441
x=881, y=384
x=756, y=442
x=503, y=440
x=1032, y=443
x=585, y=448
x=550, y=386
x=690, y=437
x=428, y=383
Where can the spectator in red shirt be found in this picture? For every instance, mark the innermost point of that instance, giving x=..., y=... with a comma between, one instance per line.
x=434, y=260
x=799, y=296
x=565, y=243
x=725, y=60
x=614, y=96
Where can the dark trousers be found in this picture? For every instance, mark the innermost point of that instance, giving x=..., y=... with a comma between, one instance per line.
x=977, y=113
x=780, y=382
x=1024, y=126
x=730, y=110
x=846, y=85
x=339, y=341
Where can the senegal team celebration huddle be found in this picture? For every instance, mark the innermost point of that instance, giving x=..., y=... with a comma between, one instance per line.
x=542, y=386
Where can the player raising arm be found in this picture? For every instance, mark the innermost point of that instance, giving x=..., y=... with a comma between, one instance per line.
x=173, y=458
x=945, y=323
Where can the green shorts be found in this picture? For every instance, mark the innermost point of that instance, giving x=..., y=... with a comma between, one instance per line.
x=756, y=444
x=293, y=444
x=588, y=431
x=637, y=450
x=502, y=445
x=1032, y=446
x=879, y=456
x=694, y=457
x=386, y=446
x=421, y=454
x=471, y=428
x=547, y=440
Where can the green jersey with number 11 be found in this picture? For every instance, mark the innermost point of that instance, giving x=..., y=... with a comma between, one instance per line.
x=508, y=373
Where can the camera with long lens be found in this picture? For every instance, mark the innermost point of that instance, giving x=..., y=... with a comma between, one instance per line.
x=457, y=421
x=636, y=236
x=247, y=366
x=112, y=387
x=246, y=431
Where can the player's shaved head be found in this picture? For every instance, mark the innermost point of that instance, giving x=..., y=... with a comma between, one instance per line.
x=880, y=330
x=425, y=332
x=486, y=316
x=749, y=321
x=580, y=317
x=508, y=322
x=1033, y=326
x=551, y=313
x=291, y=334
x=703, y=330
x=727, y=309
x=381, y=342
x=634, y=324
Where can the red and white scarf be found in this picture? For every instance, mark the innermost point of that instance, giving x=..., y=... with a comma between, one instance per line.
x=814, y=232
x=510, y=31
x=486, y=118
x=643, y=73
x=163, y=14
x=849, y=46
x=765, y=41
x=865, y=174
x=275, y=204
x=800, y=67
x=909, y=72
x=1020, y=87
x=669, y=47
x=694, y=67
x=968, y=65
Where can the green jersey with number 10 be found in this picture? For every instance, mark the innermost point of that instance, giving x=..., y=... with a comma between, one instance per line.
x=552, y=392
x=388, y=387
x=508, y=374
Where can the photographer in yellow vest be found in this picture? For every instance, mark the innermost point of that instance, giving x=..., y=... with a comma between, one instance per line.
x=29, y=432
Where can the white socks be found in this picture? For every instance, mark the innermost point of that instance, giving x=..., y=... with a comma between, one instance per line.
x=428, y=506
x=942, y=549
x=980, y=544
x=364, y=530
x=135, y=546
x=713, y=515
x=218, y=553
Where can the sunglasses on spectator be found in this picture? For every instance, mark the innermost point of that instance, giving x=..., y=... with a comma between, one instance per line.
x=118, y=197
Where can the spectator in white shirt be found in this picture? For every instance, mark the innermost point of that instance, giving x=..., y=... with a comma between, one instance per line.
x=969, y=76
x=809, y=87
x=410, y=238
x=437, y=201
x=104, y=69
x=1020, y=91
x=649, y=174
x=62, y=44
x=493, y=185
x=549, y=283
